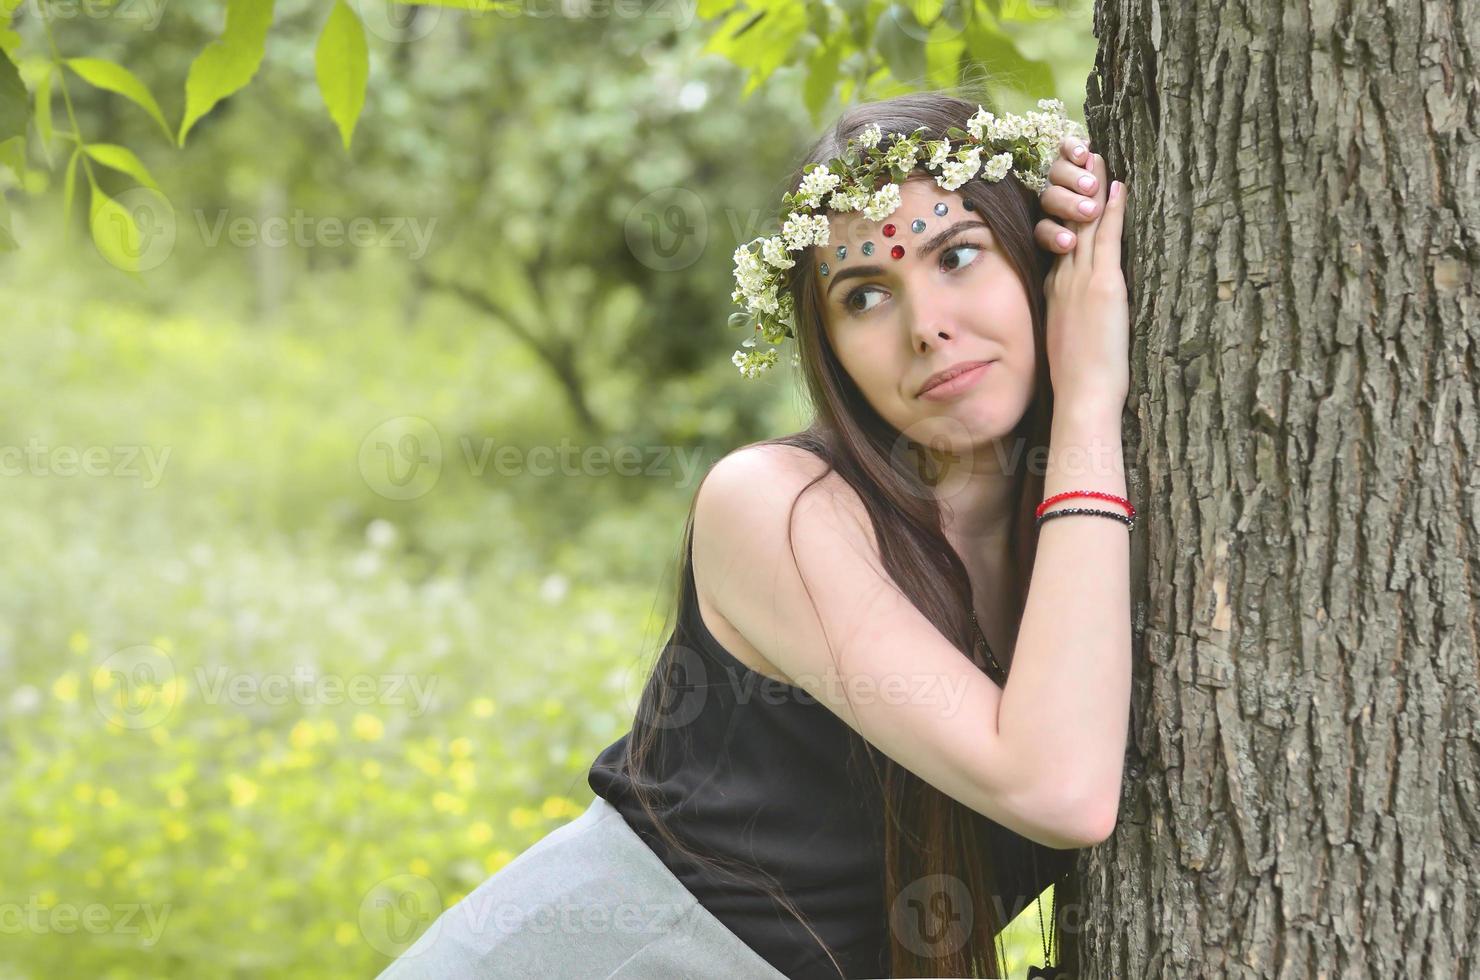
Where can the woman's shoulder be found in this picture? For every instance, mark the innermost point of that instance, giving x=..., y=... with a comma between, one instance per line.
x=784, y=469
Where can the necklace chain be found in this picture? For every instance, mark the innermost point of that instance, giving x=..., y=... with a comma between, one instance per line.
x=991, y=657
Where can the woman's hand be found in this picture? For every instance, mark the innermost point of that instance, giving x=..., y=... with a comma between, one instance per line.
x=1066, y=192
x=1088, y=309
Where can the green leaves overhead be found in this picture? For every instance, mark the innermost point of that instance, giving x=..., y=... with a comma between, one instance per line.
x=760, y=37
x=865, y=49
x=122, y=159
x=1009, y=66
x=342, y=62
x=228, y=63
x=115, y=78
x=14, y=104
x=899, y=36
x=114, y=231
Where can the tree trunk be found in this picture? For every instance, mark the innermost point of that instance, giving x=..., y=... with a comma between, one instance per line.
x=1302, y=792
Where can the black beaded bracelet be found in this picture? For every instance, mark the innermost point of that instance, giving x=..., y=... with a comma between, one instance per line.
x=1128, y=521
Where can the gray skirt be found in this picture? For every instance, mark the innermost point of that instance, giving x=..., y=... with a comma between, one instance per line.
x=587, y=900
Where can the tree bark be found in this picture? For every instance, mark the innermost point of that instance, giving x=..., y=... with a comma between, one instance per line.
x=1302, y=791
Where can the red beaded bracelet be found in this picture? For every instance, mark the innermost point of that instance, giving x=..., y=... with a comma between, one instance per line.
x=1085, y=493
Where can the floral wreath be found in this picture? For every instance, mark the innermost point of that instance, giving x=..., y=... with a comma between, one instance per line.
x=1024, y=146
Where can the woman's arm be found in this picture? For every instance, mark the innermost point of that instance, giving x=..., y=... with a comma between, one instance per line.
x=1067, y=701
x=916, y=697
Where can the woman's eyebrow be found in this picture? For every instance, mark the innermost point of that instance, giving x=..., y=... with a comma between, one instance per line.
x=935, y=242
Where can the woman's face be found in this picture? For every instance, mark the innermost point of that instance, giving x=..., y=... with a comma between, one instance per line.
x=951, y=298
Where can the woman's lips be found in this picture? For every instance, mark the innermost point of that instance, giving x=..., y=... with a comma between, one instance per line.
x=956, y=385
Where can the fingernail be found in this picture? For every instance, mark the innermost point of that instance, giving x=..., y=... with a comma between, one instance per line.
x=1116, y=187
x=1079, y=151
x=1088, y=207
x=1065, y=239
x=1087, y=182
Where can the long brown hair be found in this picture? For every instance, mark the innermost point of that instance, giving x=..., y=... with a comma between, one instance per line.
x=925, y=831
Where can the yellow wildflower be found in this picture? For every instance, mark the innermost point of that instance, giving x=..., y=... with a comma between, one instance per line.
x=367, y=727
x=449, y=803
x=556, y=807
x=303, y=735
x=64, y=688
x=243, y=790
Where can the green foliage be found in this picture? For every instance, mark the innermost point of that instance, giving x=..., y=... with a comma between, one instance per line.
x=343, y=64
x=116, y=78
x=228, y=63
x=868, y=49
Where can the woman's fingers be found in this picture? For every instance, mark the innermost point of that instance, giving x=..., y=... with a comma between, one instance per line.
x=1074, y=148
x=1084, y=249
x=1053, y=237
x=1063, y=205
x=1076, y=178
x=1107, y=235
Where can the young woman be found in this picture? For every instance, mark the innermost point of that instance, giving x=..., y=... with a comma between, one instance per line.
x=895, y=700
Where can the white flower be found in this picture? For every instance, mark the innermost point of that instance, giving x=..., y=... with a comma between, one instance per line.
x=997, y=167
x=750, y=275
x=870, y=137
x=941, y=154
x=1006, y=129
x=821, y=230
x=885, y=201
x=753, y=363
x=848, y=199
x=802, y=230
x=981, y=120
x=816, y=183
x=957, y=172
x=775, y=252
x=1031, y=180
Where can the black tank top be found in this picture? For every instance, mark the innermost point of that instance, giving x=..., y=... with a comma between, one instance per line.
x=749, y=768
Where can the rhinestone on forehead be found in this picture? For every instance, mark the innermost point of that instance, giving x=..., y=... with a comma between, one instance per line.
x=842, y=251
x=897, y=251
x=824, y=268
x=918, y=225
x=867, y=248
x=941, y=207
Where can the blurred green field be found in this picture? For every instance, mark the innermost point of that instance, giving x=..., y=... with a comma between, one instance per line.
x=300, y=601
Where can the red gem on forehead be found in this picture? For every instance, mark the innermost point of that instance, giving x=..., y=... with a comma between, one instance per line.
x=897, y=251
x=888, y=231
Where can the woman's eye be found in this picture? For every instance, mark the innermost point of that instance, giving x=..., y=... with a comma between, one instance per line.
x=860, y=291
x=956, y=248
x=865, y=291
